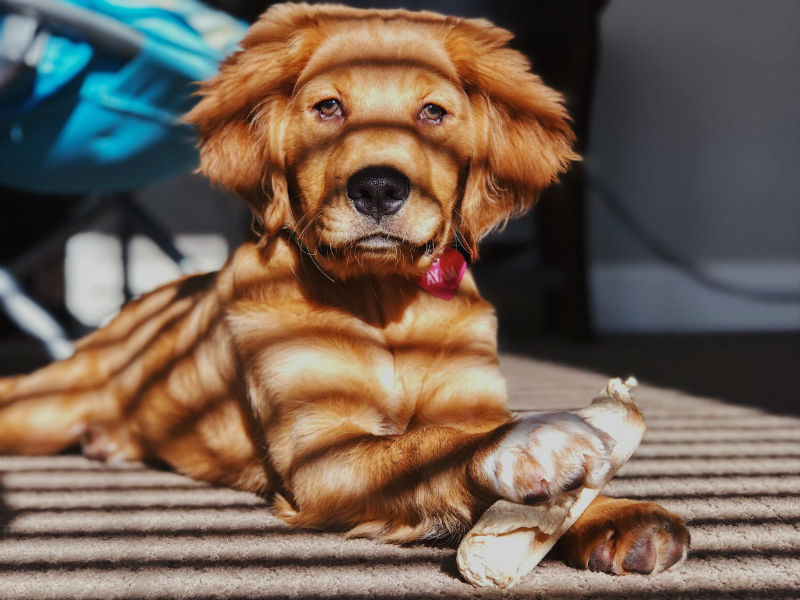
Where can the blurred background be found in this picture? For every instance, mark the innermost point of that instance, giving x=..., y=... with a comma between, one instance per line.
x=671, y=252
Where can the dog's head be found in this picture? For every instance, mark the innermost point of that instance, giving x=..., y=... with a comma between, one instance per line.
x=379, y=137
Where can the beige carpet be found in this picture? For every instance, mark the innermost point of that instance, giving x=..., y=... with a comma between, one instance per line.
x=71, y=528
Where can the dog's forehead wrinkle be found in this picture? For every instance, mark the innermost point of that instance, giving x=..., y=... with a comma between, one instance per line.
x=381, y=38
x=316, y=71
x=380, y=43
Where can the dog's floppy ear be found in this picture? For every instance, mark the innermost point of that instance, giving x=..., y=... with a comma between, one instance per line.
x=523, y=139
x=239, y=116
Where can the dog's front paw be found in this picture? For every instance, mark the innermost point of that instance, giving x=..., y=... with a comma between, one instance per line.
x=543, y=455
x=626, y=536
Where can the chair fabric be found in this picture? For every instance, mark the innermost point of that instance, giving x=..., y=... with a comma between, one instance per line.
x=99, y=110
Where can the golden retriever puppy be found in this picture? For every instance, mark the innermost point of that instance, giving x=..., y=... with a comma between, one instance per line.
x=314, y=367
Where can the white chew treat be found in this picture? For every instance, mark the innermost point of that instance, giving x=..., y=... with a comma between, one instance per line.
x=510, y=539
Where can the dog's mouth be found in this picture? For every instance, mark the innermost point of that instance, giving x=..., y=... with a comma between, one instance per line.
x=378, y=244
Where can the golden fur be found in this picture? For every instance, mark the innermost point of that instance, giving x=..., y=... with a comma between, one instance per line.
x=311, y=367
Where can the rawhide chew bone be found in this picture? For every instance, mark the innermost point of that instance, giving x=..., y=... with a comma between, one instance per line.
x=510, y=539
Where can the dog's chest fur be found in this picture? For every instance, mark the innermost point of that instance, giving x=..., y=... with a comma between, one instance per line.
x=374, y=354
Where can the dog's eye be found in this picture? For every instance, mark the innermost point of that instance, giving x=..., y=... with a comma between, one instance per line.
x=328, y=109
x=433, y=113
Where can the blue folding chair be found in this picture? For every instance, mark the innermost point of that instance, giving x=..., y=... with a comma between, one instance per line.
x=91, y=98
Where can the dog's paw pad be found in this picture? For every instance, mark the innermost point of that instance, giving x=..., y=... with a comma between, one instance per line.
x=655, y=551
x=641, y=558
x=602, y=557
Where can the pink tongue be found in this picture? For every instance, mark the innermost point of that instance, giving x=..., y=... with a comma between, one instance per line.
x=444, y=276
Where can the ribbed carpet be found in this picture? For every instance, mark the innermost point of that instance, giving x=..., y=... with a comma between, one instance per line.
x=73, y=528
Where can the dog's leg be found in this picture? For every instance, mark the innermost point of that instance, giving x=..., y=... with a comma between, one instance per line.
x=51, y=409
x=625, y=536
x=48, y=411
x=435, y=481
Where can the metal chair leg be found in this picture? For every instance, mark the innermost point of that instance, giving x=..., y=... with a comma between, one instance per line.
x=32, y=318
x=152, y=229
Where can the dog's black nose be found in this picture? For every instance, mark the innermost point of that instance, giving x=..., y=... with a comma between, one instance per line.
x=378, y=191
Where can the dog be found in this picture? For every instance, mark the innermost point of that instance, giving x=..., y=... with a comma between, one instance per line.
x=375, y=148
